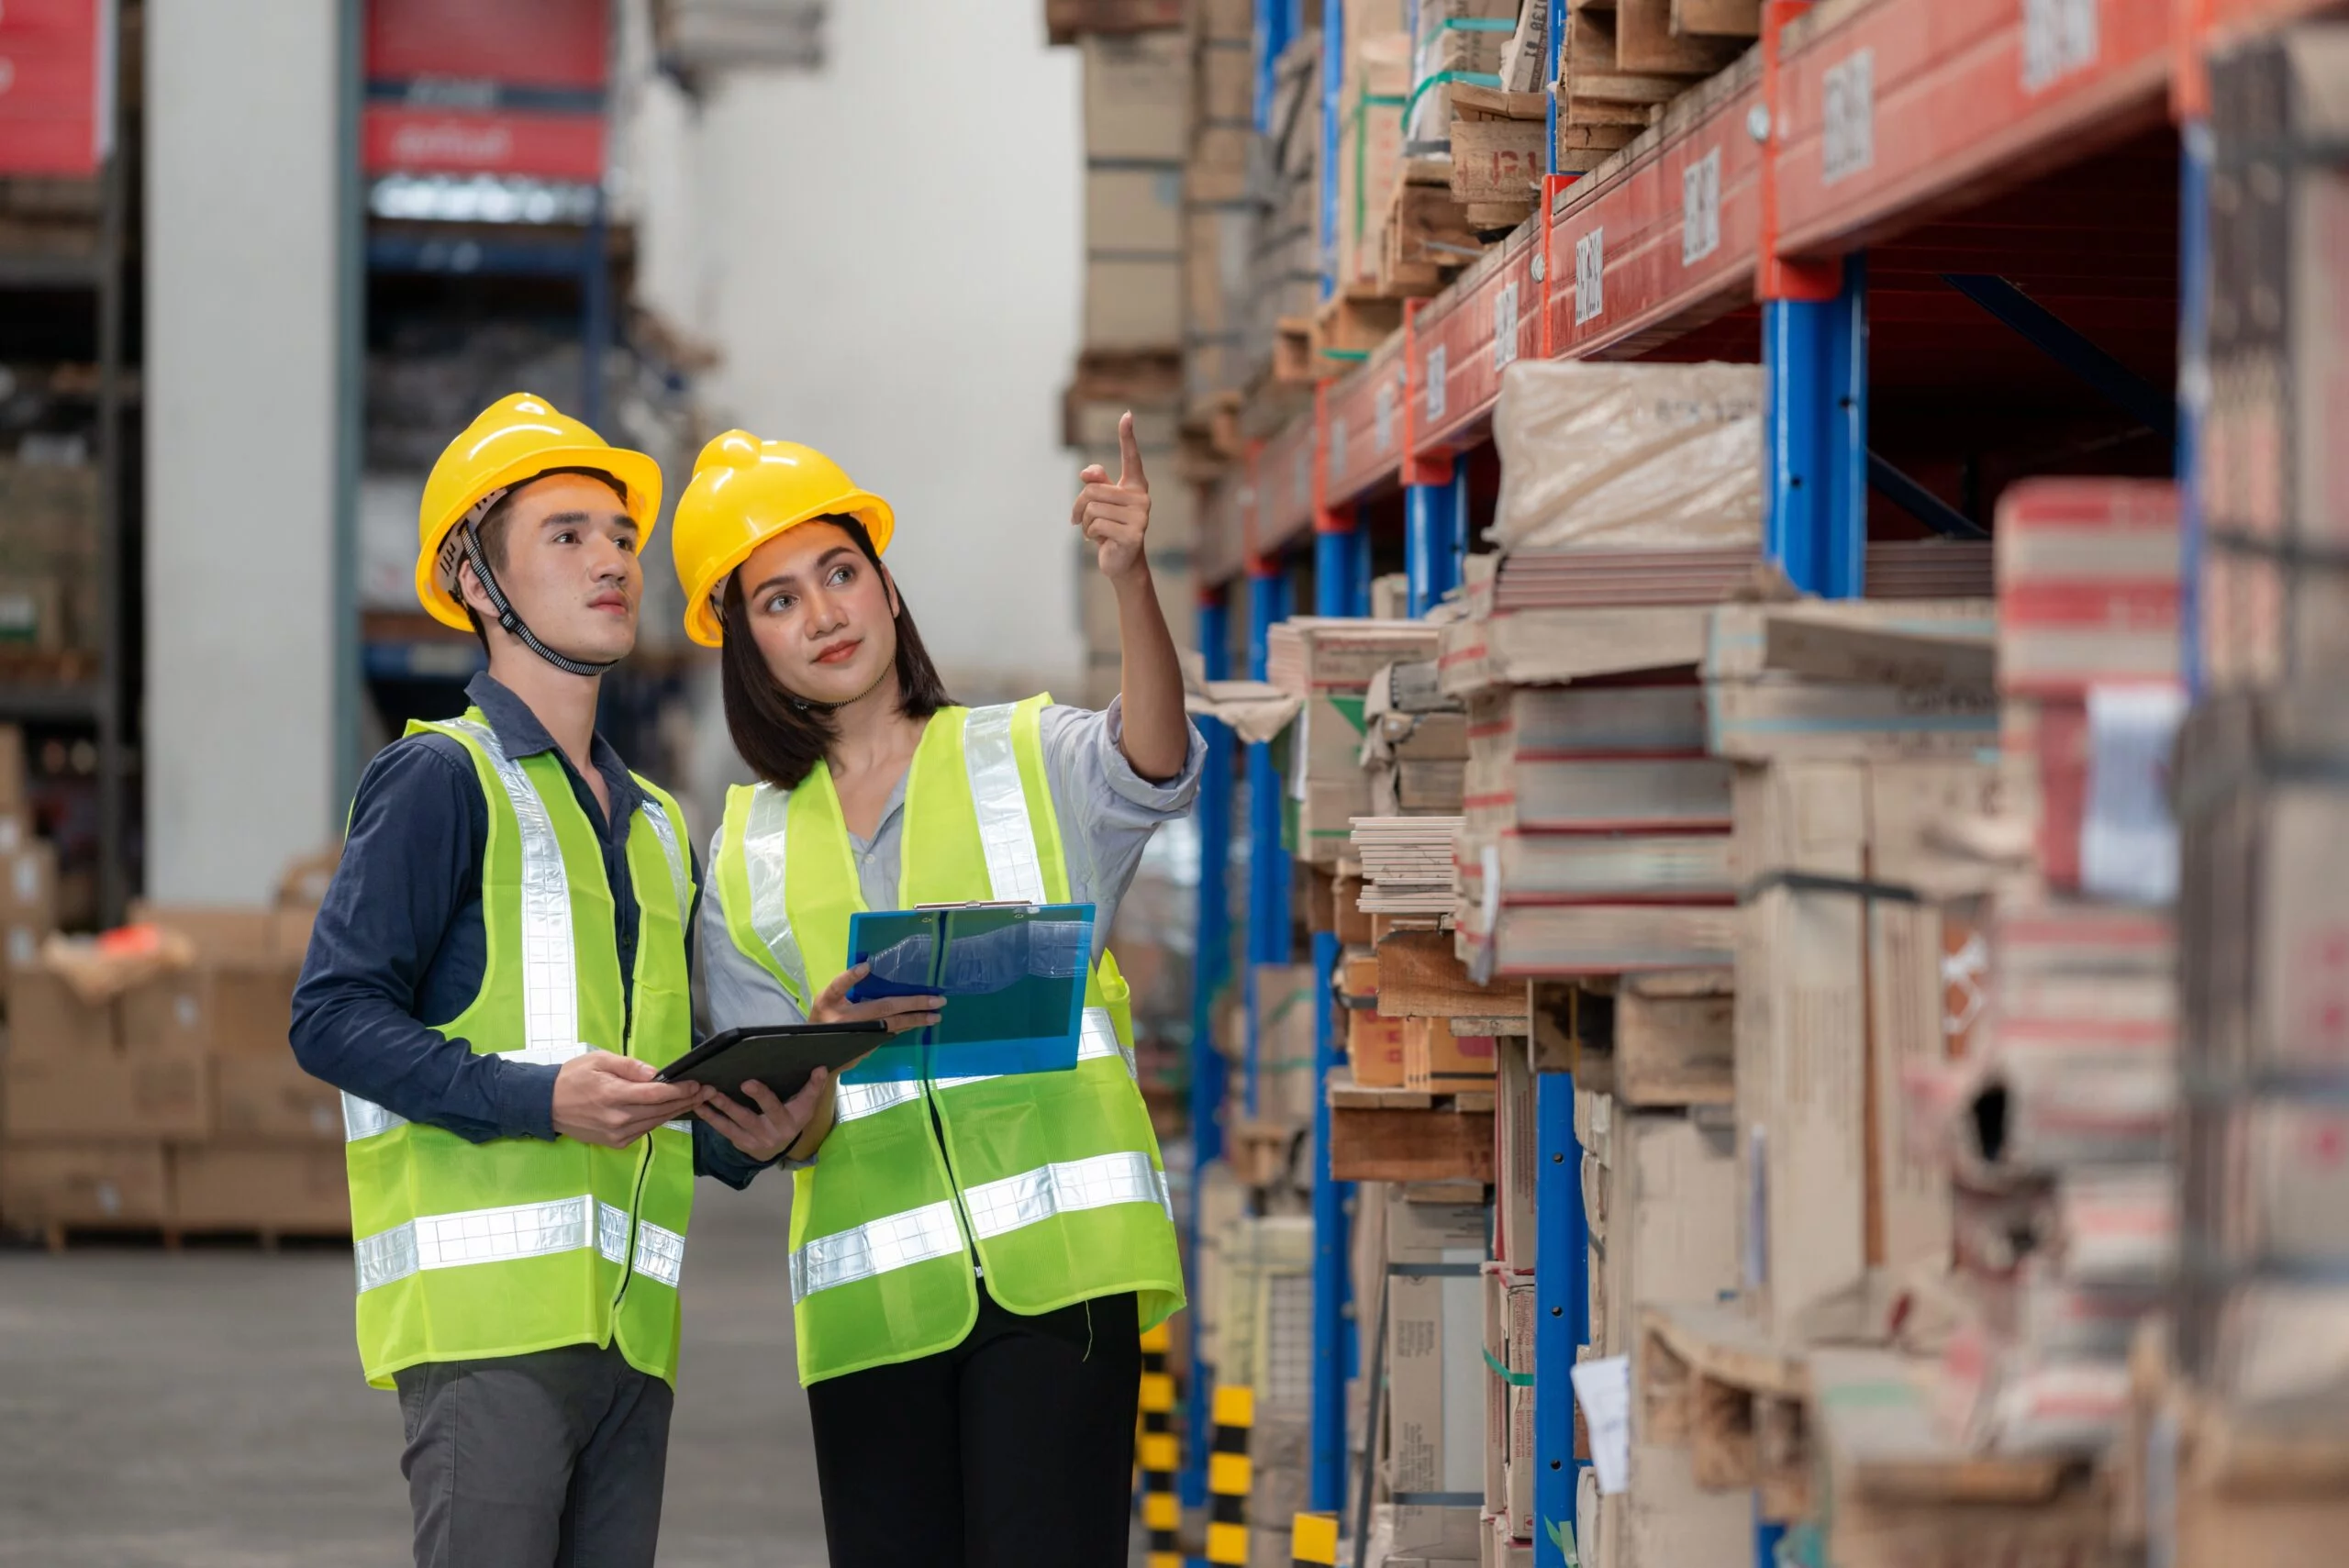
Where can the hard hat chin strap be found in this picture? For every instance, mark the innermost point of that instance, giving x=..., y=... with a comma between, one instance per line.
x=512, y=622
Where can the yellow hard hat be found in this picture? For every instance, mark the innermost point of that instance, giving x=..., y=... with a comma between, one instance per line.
x=513, y=440
x=745, y=491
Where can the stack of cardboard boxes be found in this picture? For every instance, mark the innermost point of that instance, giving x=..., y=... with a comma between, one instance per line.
x=1330, y=663
x=2242, y=1416
x=1138, y=118
x=175, y=1105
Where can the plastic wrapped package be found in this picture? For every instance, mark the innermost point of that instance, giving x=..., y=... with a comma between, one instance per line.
x=1629, y=456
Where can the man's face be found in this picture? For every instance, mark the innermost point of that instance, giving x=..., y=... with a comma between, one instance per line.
x=569, y=567
x=821, y=613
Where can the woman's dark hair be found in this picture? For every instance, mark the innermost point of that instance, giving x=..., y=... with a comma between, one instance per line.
x=783, y=737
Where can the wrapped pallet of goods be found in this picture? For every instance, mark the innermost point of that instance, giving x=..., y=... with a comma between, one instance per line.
x=1285, y=268
x=1219, y=221
x=150, y=1084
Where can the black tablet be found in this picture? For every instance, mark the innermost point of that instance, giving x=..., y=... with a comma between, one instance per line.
x=781, y=1056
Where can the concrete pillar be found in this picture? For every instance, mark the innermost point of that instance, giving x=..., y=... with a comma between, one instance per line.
x=241, y=417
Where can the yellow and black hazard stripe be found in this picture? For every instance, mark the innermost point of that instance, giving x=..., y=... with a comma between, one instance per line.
x=1162, y=1512
x=1313, y=1540
x=1230, y=1476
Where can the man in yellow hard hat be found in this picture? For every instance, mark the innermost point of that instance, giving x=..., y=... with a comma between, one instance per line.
x=498, y=974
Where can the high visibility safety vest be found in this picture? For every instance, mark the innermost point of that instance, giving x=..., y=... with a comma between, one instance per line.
x=1052, y=1179
x=464, y=1249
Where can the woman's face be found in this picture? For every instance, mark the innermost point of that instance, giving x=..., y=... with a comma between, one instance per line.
x=823, y=616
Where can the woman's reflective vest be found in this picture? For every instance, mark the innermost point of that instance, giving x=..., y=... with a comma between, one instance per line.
x=472, y=1250
x=1052, y=1178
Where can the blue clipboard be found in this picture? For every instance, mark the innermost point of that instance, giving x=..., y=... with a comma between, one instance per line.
x=1013, y=977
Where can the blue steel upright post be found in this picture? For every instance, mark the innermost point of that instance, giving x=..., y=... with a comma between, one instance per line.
x=1268, y=913
x=1338, y=546
x=2194, y=157
x=1562, y=1312
x=1814, y=421
x=1430, y=539
x=1211, y=963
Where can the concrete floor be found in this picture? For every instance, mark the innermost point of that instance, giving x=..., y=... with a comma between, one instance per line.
x=206, y=1410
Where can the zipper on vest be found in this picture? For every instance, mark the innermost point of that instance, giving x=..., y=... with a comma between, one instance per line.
x=643, y=1169
x=954, y=1177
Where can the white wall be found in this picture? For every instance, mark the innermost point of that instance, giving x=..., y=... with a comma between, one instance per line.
x=890, y=259
x=240, y=409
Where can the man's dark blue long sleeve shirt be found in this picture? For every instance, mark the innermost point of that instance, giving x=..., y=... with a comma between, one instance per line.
x=400, y=945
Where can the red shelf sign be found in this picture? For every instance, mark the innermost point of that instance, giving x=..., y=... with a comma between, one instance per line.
x=55, y=69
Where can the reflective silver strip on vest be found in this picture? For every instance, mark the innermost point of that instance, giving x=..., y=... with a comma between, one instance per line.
x=1015, y=870
x=854, y=1102
x=1095, y=1041
x=550, y=984
x=364, y=1119
x=473, y=1236
x=762, y=851
x=876, y=1246
x=611, y=1232
x=660, y=1254
x=680, y=878
x=998, y=1207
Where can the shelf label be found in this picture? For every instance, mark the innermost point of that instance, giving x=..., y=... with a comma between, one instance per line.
x=1435, y=384
x=1337, y=448
x=1505, y=326
x=1590, y=270
x=1382, y=416
x=1700, y=208
x=2059, y=37
x=1847, y=136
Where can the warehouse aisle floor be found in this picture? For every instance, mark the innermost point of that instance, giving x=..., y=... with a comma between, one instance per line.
x=206, y=1410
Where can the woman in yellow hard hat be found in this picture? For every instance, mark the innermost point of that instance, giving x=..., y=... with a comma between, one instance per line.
x=973, y=1258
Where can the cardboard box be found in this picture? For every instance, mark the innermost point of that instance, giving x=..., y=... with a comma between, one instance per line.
x=1434, y=1359
x=1516, y=1155
x=261, y=1188
x=1137, y=96
x=1436, y=1060
x=1132, y=210
x=15, y=797
x=1802, y=1070
x=84, y=1182
x=271, y=1097
x=1508, y=1399
x=47, y=1018
x=1133, y=303
x=1375, y=1049
x=1285, y=1069
x=28, y=880
x=109, y=1094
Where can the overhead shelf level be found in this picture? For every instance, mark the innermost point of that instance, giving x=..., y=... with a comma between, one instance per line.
x=1893, y=126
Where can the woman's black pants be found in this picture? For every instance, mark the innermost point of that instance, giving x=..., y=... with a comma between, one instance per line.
x=1013, y=1450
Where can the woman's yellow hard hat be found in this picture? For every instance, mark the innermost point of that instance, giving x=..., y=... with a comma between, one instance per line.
x=514, y=441
x=745, y=491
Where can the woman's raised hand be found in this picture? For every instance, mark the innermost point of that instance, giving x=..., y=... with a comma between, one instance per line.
x=1114, y=518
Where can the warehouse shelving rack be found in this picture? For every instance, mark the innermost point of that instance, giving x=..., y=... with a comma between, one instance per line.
x=1959, y=195
x=105, y=703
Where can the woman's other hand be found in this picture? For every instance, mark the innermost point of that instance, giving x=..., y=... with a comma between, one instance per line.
x=900, y=1013
x=774, y=1126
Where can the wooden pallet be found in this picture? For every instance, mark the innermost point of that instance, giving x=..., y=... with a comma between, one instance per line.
x=1409, y=1135
x=1263, y=1152
x=1889, y=1489
x=1710, y=1378
x=1352, y=322
x=1294, y=362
